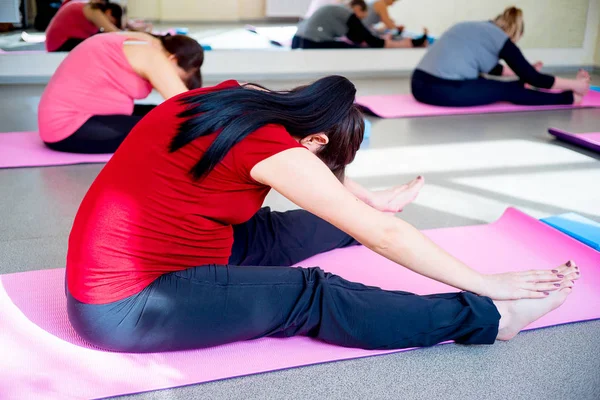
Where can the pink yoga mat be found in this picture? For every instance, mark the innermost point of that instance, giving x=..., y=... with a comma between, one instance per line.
x=405, y=106
x=25, y=149
x=587, y=140
x=42, y=357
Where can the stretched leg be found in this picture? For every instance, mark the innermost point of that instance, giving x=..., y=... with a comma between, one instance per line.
x=69, y=44
x=140, y=110
x=284, y=238
x=485, y=91
x=302, y=43
x=99, y=134
x=214, y=305
x=448, y=93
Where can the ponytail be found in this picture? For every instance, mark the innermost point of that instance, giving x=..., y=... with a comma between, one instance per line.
x=511, y=22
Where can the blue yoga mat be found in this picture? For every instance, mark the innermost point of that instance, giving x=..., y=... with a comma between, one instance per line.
x=583, y=229
x=367, y=129
x=595, y=88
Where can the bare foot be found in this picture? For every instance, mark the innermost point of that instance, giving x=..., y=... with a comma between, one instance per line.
x=582, y=85
x=583, y=75
x=396, y=198
x=517, y=314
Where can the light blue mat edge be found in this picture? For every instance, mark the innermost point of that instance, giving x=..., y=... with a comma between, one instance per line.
x=578, y=227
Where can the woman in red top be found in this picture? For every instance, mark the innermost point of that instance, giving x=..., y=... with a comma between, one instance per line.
x=76, y=21
x=171, y=250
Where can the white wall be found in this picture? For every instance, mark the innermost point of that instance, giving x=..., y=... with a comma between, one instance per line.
x=597, y=42
x=197, y=10
x=149, y=9
x=548, y=23
x=251, y=9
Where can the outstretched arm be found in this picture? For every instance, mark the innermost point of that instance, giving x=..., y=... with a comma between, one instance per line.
x=530, y=74
x=98, y=18
x=382, y=10
x=313, y=187
x=521, y=67
x=390, y=200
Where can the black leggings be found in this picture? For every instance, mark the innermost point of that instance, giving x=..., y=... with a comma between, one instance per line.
x=430, y=89
x=69, y=44
x=217, y=304
x=101, y=133
x=301, y=43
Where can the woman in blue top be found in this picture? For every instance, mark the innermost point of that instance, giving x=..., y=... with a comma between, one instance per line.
x=450, y=73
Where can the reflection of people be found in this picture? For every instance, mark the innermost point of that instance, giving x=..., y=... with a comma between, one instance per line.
x=378, y=13
x=170, y=249
x=87, y=107
x=330, y=24
x=449, y=74
x=316, y=4
x=76, y=21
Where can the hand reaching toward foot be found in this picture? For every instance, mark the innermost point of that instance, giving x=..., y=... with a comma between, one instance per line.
x=516, y=315
x=395, y=199
x=534, y=284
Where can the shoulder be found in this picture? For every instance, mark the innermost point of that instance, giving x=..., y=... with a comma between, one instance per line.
x=268, y=140
x=493, y=29
x=378, y=6
x=231, y=83
x=271, y=133
x=337, y=9
x=177, y=104
x=86, y=8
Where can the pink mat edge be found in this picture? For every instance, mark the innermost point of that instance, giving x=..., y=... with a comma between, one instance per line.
x=495, y=108
x=508, y=211
x=70, y=158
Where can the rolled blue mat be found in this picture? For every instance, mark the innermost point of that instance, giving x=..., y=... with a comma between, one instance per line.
x=367, y=129
x=206, y=47
x=181, y=31
x=578, y=227
x=595, y=88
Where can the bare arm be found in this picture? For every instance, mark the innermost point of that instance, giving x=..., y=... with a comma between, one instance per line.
x=314, y=188
x=382, y=10
x=357, y=190
x=152, y=64
x=98, y=18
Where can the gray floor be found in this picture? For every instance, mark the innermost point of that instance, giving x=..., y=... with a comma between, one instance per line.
x=218, y=35
x=469, y=181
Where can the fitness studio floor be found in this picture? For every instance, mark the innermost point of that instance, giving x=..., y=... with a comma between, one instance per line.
x=515, y=162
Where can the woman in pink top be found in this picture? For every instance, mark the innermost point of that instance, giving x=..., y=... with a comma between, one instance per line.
x=76, y=21
x=88, y=105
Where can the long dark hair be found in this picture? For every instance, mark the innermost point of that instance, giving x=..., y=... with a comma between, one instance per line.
x=189, y=54
x=326, y=106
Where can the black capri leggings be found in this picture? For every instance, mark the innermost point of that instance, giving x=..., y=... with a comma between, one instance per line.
x=302, y=43
x=102, y=133
x=217, y=304
x=69, y=44
x=430, y=89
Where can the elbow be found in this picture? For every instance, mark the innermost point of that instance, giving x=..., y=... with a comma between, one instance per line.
x=387, y=237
